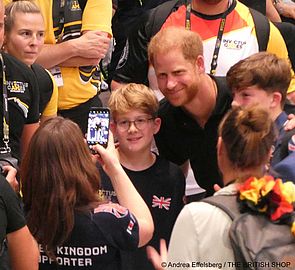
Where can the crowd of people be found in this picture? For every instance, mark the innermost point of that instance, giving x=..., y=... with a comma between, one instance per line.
x=195, y=92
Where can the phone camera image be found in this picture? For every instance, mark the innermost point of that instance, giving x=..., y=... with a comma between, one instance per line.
x=98, y=126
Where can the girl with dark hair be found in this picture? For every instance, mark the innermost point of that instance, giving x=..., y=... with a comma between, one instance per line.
x=74, y=226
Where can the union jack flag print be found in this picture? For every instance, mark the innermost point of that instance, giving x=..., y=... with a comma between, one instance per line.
x=113, y=208
x=161, y=202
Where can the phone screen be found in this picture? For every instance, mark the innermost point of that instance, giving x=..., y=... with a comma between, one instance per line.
x=98, y=126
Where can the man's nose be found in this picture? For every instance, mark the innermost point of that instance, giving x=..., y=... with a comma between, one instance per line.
x=171, y=82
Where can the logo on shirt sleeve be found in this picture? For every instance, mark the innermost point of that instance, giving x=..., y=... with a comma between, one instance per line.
x=130, y=225
x=17, y=87
x=113, y=208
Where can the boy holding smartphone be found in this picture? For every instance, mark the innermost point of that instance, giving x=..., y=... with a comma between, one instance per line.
x=161, y=183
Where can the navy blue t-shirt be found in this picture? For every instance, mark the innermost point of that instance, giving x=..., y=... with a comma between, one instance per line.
x=96, y=239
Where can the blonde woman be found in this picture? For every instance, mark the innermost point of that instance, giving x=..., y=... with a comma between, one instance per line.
x=24, y=39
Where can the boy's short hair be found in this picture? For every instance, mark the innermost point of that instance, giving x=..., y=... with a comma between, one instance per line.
x=133, y=96
x=173, y=37
x=264, y=70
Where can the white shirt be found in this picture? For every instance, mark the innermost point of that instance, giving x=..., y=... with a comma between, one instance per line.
x=200, y=237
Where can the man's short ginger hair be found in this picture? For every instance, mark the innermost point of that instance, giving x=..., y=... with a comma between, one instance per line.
x=170, y=38
x=133, y=96
x=264, y=70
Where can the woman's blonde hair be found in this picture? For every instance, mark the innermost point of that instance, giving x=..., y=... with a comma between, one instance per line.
x=23, y=6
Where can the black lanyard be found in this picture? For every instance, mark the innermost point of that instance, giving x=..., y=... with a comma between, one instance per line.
x=6, y=148
x=188, y=15
x=218, y=38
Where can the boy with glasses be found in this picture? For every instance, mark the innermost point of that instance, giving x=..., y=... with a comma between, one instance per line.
x=161, y=183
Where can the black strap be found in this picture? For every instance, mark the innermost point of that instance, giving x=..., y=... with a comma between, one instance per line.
x=262, y=29
x=161, y=13
x=188, y=15
x=217, y=45
x=6, y=148
x=227, y=203
x=287, y=31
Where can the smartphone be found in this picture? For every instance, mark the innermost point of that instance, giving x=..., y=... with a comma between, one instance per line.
x=98, y=126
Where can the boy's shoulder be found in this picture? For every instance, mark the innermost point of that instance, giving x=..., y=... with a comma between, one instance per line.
x=168, y=169
x=162, y=170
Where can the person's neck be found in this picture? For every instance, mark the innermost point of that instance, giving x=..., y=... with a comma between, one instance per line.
x=275, y=113
x=202, y=106
x=241, y=175
x=210, y=9
x=137, y=161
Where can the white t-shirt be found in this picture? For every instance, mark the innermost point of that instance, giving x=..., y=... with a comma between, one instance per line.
x=200, y=237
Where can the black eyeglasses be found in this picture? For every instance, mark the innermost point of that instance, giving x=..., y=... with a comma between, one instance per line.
x=139, y=123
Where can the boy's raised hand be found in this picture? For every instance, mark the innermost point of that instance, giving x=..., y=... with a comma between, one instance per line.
x=159, y=260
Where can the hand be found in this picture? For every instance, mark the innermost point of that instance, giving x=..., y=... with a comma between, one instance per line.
x=287, y=10
x=291, y=123
x=108, y=157
x=92, y=44
x=11, y=177
x=216, y=187
x=158, y=260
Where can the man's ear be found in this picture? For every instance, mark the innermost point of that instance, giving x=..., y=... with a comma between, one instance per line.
x=157, y=125
x=276, y=99
x=200, y=63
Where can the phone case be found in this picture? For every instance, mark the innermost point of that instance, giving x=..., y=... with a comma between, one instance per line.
x=98, y=126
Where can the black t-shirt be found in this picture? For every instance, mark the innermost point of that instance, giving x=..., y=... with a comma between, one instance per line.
x=23, y=100
x=45, y=85
x=162, y=187
x=181, y=138
x=96, y=239
x=11, y=214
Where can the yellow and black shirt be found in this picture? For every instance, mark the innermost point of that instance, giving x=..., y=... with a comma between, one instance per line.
x=65, y=20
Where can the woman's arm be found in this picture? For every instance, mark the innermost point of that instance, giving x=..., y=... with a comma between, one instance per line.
x=126, y=193
x=23, y=250
x=85, y=50
x=27, y=134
